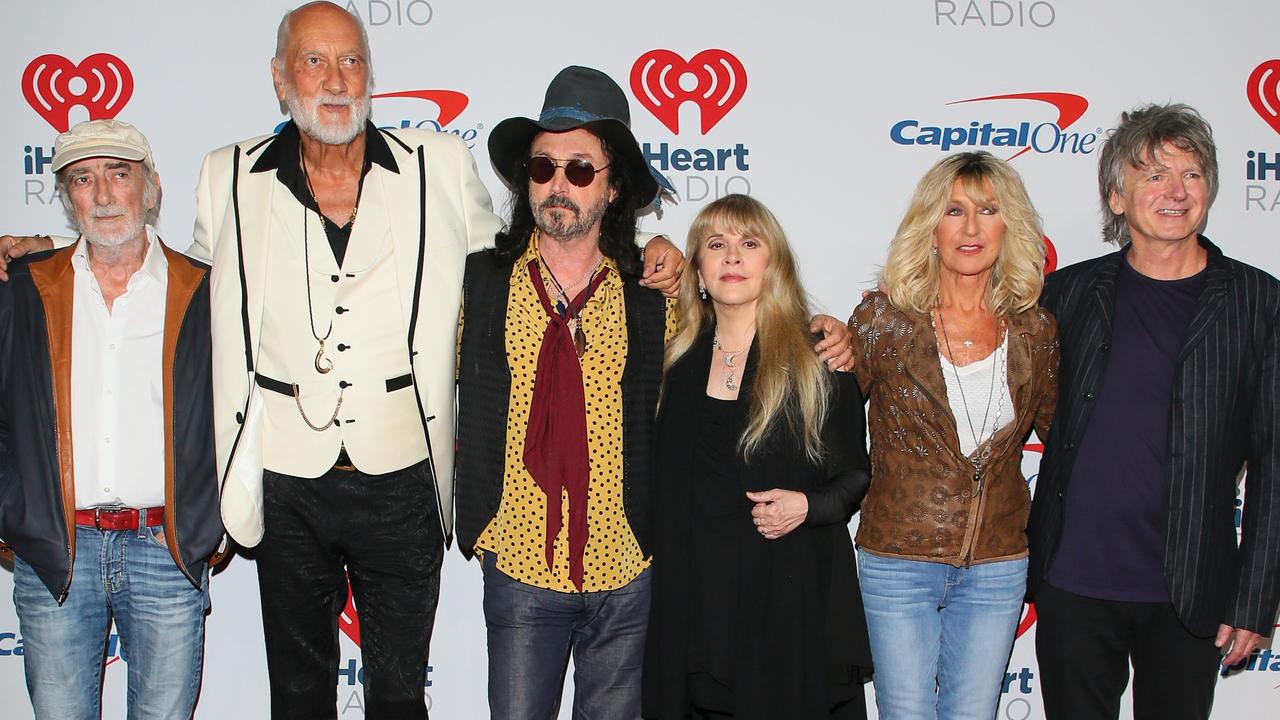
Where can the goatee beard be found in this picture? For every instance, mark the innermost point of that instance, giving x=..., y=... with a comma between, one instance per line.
x=563, y=226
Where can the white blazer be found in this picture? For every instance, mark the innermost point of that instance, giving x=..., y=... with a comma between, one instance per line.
x=437, y=212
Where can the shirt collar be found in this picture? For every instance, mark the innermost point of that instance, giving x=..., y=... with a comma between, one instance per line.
x=521, y=273
x=154, y=264
x=282, y=152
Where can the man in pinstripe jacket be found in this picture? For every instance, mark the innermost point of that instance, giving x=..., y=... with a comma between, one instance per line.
x=1169, y=387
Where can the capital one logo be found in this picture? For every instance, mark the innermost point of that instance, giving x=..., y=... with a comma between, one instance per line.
x=1264, y=92
x=1022, y=134
x=450, y=102
x=102, y=84
x=714, y=80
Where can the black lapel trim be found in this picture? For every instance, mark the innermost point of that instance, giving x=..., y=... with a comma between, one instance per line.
x=244, y=286
x=397, y=140
x=259, y=146
x=413, y=329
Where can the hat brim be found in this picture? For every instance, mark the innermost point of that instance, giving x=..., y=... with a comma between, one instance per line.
x=510, y=140
x=74, y=155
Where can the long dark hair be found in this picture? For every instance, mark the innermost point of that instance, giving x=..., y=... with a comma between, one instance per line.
x=617, y=227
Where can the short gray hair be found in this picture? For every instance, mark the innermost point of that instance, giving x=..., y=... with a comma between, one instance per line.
x=286, y=27
x=1134, y=141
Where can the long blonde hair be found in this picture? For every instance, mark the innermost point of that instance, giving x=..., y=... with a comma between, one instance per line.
x=790, y=381
x=911, y=273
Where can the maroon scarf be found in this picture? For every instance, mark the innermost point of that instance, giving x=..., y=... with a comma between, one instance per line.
x=555, y=443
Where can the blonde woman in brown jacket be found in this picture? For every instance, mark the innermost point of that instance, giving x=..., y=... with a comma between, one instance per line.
x=959, y=364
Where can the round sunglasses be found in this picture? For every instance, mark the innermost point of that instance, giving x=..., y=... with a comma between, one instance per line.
x=579, y=172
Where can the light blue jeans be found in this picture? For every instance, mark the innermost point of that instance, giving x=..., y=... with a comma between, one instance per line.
x=159, y=615
x=940, y=635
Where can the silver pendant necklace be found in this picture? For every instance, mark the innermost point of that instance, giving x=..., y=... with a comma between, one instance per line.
x=730, y=370
x=983, y=451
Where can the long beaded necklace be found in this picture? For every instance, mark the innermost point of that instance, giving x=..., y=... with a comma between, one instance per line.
x=984, y=451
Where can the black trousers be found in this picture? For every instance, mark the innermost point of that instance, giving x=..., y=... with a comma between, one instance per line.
x=1084, y=647
x=382, y=532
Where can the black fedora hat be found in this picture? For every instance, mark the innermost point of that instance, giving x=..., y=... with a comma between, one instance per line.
x=578, y=97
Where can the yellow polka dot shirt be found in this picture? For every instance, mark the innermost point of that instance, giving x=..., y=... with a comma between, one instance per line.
x=612, y=557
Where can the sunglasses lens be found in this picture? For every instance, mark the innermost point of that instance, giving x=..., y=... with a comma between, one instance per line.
x=580, y=172
x=541, y=169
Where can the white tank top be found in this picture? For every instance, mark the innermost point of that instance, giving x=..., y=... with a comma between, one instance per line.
x=984, y=409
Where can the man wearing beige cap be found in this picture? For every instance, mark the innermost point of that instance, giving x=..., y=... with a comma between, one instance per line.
x=108, y=494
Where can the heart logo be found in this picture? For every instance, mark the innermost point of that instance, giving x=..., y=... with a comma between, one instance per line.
x=52, y=84
x=348, y=620
x=1264, y=92
x=1050, y=256
x=714, y=80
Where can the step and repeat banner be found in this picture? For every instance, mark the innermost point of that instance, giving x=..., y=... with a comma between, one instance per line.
x=828, y=112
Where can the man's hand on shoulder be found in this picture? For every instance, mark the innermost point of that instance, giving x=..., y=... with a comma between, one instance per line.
x=663, y=263
x=15, y=246
x=836, y=346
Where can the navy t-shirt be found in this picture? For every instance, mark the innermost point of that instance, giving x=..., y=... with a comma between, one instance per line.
x=1112, y=545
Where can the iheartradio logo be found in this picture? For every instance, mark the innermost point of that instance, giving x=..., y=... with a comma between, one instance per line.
x=1264, y=92
x=714, y=80
x=101, y=84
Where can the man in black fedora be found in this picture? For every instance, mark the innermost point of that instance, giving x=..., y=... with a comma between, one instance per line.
x=560, y=366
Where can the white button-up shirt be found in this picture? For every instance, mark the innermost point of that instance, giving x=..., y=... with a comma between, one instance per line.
x=117, y=396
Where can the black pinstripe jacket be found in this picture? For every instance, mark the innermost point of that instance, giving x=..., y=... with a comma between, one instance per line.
x=1225, y=402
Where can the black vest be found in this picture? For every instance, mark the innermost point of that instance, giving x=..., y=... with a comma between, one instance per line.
x=484, y=390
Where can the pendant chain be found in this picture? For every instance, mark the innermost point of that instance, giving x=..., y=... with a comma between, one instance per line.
x=997, y=368
x=730, y=370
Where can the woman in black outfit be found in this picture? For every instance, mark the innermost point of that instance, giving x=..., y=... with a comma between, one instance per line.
x=760, y=462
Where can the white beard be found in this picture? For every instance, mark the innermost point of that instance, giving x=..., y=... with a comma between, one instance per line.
x=132, y=226
x=308, y=118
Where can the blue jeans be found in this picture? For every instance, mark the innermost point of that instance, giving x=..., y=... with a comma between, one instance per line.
x=159, y=615
x=531, y=632
x=940, y=635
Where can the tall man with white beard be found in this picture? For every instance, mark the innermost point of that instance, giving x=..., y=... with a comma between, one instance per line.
x=339, y=251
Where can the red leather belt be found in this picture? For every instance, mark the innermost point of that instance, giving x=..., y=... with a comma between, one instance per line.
x=119, y=518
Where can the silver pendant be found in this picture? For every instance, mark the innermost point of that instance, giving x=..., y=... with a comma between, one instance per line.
x=730, y=381
x=323, y=364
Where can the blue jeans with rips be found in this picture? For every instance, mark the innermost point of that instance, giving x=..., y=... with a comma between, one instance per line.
x=531, y=632
x=940, y=635
x=127, y=575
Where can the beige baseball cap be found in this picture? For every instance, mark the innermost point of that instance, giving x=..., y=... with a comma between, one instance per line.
x=101, y=138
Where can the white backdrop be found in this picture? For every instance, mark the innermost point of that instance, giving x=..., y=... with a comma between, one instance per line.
x=826, y=113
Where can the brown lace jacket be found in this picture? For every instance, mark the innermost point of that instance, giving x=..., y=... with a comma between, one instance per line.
x=925, y=502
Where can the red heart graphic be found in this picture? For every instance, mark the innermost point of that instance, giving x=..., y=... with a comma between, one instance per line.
x=720, y=82
x=1050, y=256
x=46, y=83
x=348, y=620
x=1028, y=619
x=1264, y=92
